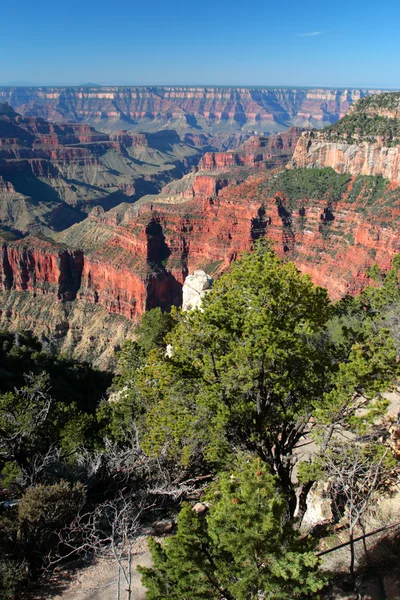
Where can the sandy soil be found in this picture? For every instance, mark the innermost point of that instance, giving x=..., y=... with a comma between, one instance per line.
x=98, y=580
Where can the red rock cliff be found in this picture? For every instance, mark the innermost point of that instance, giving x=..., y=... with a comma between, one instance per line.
x=41, y=268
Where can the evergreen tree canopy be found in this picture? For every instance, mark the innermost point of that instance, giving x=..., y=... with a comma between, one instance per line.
x=253, y=368
x=243, y=548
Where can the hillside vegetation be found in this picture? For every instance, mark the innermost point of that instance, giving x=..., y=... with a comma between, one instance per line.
x=372, y=118
x=268, y=364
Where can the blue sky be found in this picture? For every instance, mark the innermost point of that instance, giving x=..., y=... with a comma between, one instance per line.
x=215, y=42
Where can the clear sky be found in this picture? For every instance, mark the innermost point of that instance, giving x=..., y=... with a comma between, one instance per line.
x=339, y=43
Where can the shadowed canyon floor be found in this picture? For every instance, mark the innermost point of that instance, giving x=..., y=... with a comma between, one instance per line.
x=51, y=175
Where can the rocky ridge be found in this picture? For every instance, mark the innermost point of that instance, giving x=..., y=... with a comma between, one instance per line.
x=260, y=110
x=365, y=142
x=52, y=174
x=133, y=257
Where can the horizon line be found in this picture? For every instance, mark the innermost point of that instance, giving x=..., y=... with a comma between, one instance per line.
x=199, y=85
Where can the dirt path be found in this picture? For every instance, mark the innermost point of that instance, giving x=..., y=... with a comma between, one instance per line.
x=98, y=581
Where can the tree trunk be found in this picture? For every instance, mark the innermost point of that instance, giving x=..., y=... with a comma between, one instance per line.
x=118, y=596
x=287, y=487
x=129, y=590
x=352, y=555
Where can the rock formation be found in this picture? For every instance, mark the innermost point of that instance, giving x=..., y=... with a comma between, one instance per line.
x=195, y=287
x=363, y=158
x=51, y=175
x=257, y=152
x=365, y=142
x=185, y=108
x=133, y=257
x=319, y=506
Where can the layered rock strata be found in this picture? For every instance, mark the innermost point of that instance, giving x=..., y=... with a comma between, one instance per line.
x=251, y=109
x=363, y=158
x=365, y=142
x=135, y=257
x=52, y=174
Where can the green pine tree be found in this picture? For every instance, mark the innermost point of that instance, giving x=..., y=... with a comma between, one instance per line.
x=243, y=548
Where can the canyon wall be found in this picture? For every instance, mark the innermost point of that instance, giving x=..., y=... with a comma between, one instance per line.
x=52, y=174
x=133, y=258
x=115, y=264
x=314, y=150
x=257, y=109
x=256, y=152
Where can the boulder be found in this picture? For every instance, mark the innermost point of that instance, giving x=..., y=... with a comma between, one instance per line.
x=200, y=507
x=194, y=289
x=319, y=506
x=161, y=527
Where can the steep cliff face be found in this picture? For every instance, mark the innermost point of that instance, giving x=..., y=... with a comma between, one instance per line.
x=365, y=142
x=130, y=259
x=251, y=109
x=77, y=330
x=41, y=267
x=136, y=256
x=257, y=152
x=362, y=158
x=342, y=227
x=109, y=276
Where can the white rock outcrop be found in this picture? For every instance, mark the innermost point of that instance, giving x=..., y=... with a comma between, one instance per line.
x=194, y=289
x=319, y=506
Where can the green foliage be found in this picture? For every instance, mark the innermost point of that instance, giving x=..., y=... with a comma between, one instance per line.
x=45, y=402
x=298, y=184
x=357, y=127
x=42, y=512
x=266, y=361
x=153, y=328
x=51, y=506
x=32, y=422
x=388, y=100
x=245, y=371
x=377, y=299
x=24, y=418
x=382, y=304
x=72, y=383
x=364, y=123
x=118, y=417
x=368, y=189
x=242, y=548
x=12, y=578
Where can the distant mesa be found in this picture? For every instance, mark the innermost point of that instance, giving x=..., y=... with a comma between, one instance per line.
x=185, y=108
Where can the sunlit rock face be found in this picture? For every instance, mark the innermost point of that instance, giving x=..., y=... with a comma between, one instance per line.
x=194, y=289
x=199, y=108
x=364, y=158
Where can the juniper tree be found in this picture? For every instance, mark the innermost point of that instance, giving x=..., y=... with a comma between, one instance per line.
x=255, y=371
x=243, y=548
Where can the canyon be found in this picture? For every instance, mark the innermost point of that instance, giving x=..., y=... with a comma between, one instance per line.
x=52, y=174
x=82, y=287
x=185, y=108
